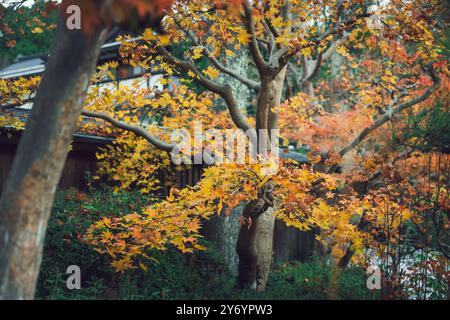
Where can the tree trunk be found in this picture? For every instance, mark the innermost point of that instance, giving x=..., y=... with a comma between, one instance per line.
x=223, y=230
x=28, y=194
x=254, y=247
x=255, y=240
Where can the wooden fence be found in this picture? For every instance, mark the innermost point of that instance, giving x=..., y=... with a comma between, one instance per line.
x=80, y=160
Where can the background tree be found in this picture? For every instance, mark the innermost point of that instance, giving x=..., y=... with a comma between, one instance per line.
x=26, y=30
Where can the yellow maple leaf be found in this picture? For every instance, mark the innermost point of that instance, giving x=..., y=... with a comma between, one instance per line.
x=278, y=22
x=197, y=53
x=37, y=30
x=243, y=37
x=211, y=72
x=191, y=74
x=229, y=53
x=219, y=207
x=143, y=267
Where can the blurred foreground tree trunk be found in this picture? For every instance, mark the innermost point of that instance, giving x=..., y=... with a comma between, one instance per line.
x=27, y=198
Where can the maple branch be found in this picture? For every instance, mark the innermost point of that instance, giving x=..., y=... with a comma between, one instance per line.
x=309, y=69
x=186, y=66
x=295, y=72
x=273, y=30
x=223, y=90
x=236, y=115
x=329, y=52
x=306, y=75
x=387, y=116
x=254, y=49
x=137, y=130
x=283, y=55
x=272, y=35
x=323, y=56
x=248, y=82
x=404, y=155
x=363, y=222
x=315, y=70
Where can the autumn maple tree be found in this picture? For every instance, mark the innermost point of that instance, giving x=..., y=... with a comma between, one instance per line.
x=288, y=44
x=338, y=79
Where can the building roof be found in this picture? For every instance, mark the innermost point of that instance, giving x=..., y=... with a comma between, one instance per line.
x=296, y=156
x=35, y=65
x=26, y=67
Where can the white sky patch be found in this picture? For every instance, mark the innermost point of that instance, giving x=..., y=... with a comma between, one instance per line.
x=8, y=3
x=27, y=3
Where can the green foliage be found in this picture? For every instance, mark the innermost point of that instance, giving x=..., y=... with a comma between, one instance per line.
x=312, y=280
x=200, y=275
x=20, y=24
x=73, y=213
x=429, y=130
x=55, y=287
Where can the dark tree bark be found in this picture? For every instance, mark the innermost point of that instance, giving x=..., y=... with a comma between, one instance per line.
x=255, y=242
x=223, y=232
x=28, y=194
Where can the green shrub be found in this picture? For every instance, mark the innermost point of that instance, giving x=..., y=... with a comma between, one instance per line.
x=72, y=214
